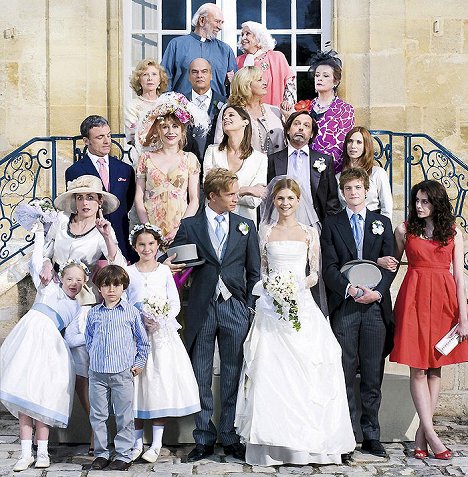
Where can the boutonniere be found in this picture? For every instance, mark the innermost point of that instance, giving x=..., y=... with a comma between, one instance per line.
x=218, y=104
x=243, y=228
x=377, y=227
x=319, y=164
x=303, y=105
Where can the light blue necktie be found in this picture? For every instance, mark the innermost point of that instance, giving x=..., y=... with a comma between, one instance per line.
x=357, y=230
x=219, y=229
x=295, y=164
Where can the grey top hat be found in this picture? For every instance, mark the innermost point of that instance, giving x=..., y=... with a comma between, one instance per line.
x=362, y=272
x=186, y=254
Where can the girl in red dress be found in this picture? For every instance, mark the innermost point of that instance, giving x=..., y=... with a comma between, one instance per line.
x=430, y=302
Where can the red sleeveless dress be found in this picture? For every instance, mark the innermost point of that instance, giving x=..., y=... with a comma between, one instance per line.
x=426, y=307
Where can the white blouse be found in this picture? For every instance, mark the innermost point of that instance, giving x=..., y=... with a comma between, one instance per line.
x=253, y=171
x=379, y=195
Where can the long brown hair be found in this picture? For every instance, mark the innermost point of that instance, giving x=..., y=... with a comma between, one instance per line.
x=246, y=148
x=366, y=161
x=442, y=216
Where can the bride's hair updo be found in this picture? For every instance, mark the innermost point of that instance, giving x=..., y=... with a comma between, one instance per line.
x=287, y=183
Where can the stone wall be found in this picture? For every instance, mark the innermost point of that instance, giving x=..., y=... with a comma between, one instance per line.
x=405, y=70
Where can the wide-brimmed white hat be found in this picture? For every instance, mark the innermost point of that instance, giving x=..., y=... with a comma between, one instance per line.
x=82, y=185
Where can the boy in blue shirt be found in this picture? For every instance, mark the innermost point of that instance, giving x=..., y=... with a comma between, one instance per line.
x=118, y=348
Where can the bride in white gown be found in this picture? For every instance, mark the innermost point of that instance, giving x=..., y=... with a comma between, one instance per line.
x=292, y=406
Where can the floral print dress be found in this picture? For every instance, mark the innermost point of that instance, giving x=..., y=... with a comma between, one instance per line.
x=165, y=196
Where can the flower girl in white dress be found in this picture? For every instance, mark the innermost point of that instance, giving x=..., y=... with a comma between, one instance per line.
x=167, y=386
x=292, y=405
x=36, y=369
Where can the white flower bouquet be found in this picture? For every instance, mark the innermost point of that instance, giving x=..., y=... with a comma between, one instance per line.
x=283, y=289
x=37, y=210
x=156, y=307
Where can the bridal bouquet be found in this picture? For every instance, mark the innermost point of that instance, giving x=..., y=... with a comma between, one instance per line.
x=283, y=288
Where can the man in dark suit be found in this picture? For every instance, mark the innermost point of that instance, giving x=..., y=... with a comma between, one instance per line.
x=201, y=94
x=313, y=170
x=361, y=318
x=218, y=305
x=117, y=176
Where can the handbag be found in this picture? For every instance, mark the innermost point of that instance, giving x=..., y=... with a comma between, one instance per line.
x=448, y=342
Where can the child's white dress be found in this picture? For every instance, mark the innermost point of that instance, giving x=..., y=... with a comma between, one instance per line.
x=36, y=369
x=167, y=385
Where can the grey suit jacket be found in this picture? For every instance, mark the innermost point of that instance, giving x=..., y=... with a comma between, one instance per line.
x=239, y=268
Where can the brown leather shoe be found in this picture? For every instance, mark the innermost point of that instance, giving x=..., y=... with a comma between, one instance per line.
x=118, y=464
x=99, y=463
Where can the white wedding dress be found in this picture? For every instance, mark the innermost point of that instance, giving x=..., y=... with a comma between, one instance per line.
x=292, y=405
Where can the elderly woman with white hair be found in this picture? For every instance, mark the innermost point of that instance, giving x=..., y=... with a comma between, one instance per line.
x=258, y=47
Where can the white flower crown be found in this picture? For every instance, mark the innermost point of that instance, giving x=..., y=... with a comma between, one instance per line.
x=78, y=263
x=146, y=226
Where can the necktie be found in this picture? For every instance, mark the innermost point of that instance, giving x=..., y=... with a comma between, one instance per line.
x=103, y=172
x=295, y=164
x=356, y=226
x=201, y=101
x=219, y=228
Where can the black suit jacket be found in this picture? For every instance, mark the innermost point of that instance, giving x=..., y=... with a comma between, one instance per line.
x=339, y=247
x=322, y=184
x=122, y=185
x=202, y=142
x=239, y=267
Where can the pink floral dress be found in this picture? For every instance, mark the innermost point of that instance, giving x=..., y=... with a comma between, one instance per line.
x=165, y=196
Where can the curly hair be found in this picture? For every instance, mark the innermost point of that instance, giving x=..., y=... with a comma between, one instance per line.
x=140, y=68
x=354, y=173
x=442, y=216
x=154, y=132
x=241, y=91
x=366, y=161
x=263, y=36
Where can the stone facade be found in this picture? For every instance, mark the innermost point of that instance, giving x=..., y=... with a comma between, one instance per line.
x=405, y=70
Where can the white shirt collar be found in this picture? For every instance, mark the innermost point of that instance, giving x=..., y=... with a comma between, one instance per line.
x=304, y=148
x=208, y=95
x=361, y=212
x=211, y=214
x=94, y=159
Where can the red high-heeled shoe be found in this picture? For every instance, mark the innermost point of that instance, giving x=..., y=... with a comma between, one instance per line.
x=444, y=455
x=420, y=453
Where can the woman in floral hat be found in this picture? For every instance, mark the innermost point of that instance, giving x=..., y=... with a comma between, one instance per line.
x=167, y=177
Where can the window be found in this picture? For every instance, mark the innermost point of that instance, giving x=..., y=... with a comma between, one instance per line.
x=300, y=27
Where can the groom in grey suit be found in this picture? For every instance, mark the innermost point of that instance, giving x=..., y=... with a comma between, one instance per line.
x=218, y=305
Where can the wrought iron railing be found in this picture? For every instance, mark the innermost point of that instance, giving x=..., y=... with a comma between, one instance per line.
x=31, y=172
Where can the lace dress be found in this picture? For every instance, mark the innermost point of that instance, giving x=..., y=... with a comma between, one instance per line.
x=292, y=405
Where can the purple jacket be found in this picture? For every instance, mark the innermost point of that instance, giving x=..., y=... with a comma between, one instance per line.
x=332, y=129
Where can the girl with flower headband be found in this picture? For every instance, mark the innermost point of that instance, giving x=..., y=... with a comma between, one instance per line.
x=36, y=368
x=334, y=116
x=167, y=385
x=166, y=174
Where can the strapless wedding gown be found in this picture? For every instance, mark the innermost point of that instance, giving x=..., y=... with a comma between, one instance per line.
x=292, y=405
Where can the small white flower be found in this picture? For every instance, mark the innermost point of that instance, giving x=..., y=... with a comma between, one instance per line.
x=319, y=164
x=377, y=227
x=243, y=228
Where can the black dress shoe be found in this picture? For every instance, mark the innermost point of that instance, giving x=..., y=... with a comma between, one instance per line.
x=237, y=450
x=200, y=452
x=99, y=463
x=347, y=458
x=374, y=447
x=118, y=464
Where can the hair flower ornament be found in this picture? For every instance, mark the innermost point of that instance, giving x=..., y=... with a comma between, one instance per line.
x=73, y=262
x=377, y=227
x=146, y=226
x=320, y=56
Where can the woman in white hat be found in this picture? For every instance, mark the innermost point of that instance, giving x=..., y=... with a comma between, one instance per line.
x=81, y=233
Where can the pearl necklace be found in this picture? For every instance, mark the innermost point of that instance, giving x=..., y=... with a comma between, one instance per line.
x=318, y=108
x=264, y=144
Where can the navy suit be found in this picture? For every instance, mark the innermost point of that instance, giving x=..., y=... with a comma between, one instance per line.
x=208, y=318
x=202, y=142
x=122, y=185
x=363, y=331
x=323, y=185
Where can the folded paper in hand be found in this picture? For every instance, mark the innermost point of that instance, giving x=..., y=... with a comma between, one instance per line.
x=448, y=342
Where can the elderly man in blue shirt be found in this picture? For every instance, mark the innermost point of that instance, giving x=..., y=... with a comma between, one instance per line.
x=200, y=43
